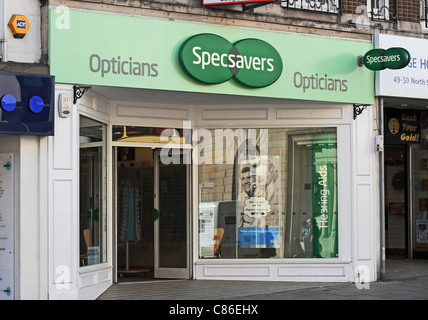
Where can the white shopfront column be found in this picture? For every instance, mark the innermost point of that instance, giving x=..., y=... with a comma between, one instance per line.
x=32, y=218
x=365, y=208
x=63, y=204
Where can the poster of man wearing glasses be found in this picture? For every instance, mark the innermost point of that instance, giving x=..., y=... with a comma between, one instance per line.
x=259, y=212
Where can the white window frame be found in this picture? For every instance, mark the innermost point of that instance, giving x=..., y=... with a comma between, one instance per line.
x=382, y=5
x=327, y=7
x=424, y=15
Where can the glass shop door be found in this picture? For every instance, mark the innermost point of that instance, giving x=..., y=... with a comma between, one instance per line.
x=396, y=202
x=171, y=217
x=152, y=215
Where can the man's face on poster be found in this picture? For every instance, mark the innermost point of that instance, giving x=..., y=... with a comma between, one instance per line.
x=246, y=181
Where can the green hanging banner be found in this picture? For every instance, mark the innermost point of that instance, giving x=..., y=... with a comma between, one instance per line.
x=324, y=198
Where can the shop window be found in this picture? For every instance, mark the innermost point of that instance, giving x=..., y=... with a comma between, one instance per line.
x=268, y=193
x=419, y=174
x=92, y=209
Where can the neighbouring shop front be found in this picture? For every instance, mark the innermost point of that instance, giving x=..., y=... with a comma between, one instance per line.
x=26, y=119
x=201, y=151
x=403, y=95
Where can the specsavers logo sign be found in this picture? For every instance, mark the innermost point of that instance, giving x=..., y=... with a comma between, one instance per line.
x=392, y=58
x=212, y=59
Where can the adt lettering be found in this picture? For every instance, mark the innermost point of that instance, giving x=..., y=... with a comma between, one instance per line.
x=20, y=24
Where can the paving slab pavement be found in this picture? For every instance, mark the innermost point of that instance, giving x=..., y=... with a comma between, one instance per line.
x=405, y=280
x=400, y=289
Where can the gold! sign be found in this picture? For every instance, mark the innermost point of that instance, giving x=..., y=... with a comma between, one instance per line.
x=402, y=126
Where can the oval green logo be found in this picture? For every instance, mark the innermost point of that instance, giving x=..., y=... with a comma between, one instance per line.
x=397, y=58
x=261, y=65
x=392, y=58
x=373, y=59
x=212, y=59
x=205, y=57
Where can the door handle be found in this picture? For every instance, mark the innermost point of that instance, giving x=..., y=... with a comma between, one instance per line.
x=158, y=214
x=162, y=214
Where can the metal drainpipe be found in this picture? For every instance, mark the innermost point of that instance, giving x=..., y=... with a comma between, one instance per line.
x=396, y=11
x=3, y=42
x=382, y=196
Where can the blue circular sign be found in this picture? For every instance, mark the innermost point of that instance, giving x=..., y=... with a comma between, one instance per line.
x=8, y=102
x=36, y=104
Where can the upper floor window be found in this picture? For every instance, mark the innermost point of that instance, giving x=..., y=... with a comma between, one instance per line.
x=424, y=15
x=328, y=6
x=378, y=9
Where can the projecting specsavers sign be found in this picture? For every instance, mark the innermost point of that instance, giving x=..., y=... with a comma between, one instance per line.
x=169, y=55
x=392, y=58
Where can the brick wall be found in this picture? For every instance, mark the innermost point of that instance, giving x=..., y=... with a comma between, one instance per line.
x=408, y=10
x=350, y=6
x=275, y=14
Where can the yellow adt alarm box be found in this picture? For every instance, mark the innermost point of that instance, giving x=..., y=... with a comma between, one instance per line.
x=19, y=26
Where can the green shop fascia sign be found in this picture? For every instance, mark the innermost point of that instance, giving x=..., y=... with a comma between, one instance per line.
x=162, y=54
x=392, y=58
x=212, y=59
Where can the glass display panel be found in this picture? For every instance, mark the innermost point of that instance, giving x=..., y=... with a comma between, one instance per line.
x=420, y=192
x=267, y=193
x=93, y=217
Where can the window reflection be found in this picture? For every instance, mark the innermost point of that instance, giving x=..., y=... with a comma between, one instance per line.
x=150, y=134
x=276, y=199
x=92, y=219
